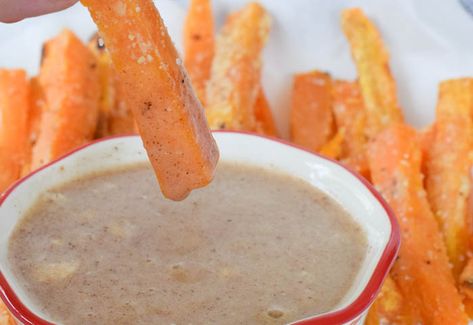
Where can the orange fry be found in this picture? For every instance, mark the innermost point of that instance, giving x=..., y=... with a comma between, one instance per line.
x=422, y=269
x=5, y=317
x=107, y=89
x=169, y=116
x=236, y=69
x=469, y=307
x=377, y=85
x=264, y=116
x=466, y=277
x=199, y=44
x=425, y=138
x=38, y=102
x=115, y=117
x=448, y=167
x=37, y=105
x=334, y=147
x=389, y=307
x=350, y=115
x=312, y=122
x=14, y=109
x=466, y=280
x=469, y=217
x=455, y=98
x=70, y=83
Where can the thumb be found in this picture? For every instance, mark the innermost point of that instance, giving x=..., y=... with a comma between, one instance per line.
x=15, y=10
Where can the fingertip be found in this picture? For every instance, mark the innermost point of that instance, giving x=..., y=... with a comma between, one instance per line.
x=16, y=10
x=9, y=20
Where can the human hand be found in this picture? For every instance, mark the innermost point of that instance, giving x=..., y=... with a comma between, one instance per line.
x=15, y=10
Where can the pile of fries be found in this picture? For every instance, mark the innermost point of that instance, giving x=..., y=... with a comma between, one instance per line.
x=424, y=175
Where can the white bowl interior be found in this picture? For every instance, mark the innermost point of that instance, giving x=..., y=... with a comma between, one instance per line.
x=332, y=179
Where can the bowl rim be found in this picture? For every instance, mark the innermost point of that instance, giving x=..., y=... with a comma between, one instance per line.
x=347, y=314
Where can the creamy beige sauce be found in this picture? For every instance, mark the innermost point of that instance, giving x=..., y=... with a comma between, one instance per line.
x=254, y=247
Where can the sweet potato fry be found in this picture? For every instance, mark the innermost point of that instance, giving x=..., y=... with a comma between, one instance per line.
x=14, y=109
x=169, y=116
x=466, y=280
x=115, y=117
x=466, y=277
x=70, y=83
x=422, y=269
x=334, y=147
x=377, y=85
x=455, y=98
x=390, y=307
x=466, y=287
x=199, y=44
x=448, y=167
x=264, y=116
x=469, y=217
x=37, y=105
x=425, y=137
x=5, y=317
x=469, y=307
x=312, y=122
x=350, y=115
x=107, y=87
x=236, y=69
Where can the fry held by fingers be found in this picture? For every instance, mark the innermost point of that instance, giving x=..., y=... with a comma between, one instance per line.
x=169, y=116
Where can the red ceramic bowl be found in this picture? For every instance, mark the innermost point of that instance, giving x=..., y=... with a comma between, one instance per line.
x=354, y=193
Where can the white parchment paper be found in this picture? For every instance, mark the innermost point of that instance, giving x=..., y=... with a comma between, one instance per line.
x=429, y=40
